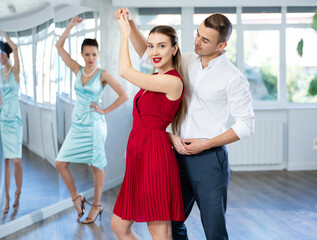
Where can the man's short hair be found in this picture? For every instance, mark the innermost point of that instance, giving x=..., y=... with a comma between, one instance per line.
x=221, y=24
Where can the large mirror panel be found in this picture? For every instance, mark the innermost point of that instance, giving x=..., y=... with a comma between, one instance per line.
x=46, y=100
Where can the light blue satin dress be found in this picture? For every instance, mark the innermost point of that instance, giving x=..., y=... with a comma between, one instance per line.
x=85, y=141
x=10, y=118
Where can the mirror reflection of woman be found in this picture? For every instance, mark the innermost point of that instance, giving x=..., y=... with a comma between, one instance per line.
x=10, y=118
x=85, y=140
x=151, y=190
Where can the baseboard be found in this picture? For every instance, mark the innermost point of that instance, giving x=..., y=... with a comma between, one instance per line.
x=46, y=212
x=36, y=150
x=257, y=168
x=302, y=166
x=51, y=161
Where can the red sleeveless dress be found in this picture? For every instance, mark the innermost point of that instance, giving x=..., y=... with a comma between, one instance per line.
x=151, y=189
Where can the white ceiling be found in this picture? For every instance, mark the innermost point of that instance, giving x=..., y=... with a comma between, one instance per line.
x=17, y=7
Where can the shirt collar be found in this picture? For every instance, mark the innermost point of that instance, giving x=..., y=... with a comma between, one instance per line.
x=214, y=61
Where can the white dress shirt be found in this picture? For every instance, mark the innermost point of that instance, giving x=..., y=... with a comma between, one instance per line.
x=214, y=93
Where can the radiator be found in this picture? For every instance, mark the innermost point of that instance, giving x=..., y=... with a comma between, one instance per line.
x=265, y=147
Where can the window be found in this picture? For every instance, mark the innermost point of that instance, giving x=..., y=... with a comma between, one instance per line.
x=300, y=14
x=26, y=74
x=201, y=13
x=25, y=44
x=261, y=63
x=159, y=16
x=261, y=15
x=36, y=64
x=63, y=72
x=44, y=64
x=261, y=50
x=300, y=70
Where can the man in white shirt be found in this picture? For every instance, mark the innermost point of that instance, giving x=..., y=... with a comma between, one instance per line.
x=215, y=90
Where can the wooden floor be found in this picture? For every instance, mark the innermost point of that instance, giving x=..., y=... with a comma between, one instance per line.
x=42, y=185
x=275, y=205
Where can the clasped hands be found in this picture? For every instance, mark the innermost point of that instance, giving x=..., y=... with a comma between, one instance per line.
x=188, y=146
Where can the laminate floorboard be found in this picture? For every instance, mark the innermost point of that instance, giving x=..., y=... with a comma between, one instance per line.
x=273, y=205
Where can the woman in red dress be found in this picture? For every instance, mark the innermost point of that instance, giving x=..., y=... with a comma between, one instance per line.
x=151, y=190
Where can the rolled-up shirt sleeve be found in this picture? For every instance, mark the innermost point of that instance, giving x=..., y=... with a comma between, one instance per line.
x=240, y=106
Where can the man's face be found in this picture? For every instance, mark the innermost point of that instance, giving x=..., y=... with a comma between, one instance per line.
x=206, y=41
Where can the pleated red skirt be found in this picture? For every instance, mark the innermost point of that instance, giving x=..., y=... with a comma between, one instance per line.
x=151, y=187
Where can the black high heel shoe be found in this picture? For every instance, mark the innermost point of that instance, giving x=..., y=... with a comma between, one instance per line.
x=90, y=220
x=16, y=203
x=6, y=208
x=83, y=200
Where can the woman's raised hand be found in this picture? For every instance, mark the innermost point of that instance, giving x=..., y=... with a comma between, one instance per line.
x=75, y=21
x=123, y=24
x=123, y=11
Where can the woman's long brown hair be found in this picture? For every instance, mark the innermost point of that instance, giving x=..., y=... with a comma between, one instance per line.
x=171, y=33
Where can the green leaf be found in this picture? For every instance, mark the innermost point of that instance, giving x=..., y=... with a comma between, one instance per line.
x=313, y=87
x=300, y=47
x=314, y=24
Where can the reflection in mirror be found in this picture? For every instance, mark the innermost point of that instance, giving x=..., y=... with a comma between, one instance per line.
x=42, y=77
x=47, y=99
x=10, y=118
x=31, y=65
x=85, y=141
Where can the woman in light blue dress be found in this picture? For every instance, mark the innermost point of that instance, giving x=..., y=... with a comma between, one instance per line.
x=10, y=118
x=86, y=138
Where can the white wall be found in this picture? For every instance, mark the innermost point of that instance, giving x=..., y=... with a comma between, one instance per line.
x=302, y=126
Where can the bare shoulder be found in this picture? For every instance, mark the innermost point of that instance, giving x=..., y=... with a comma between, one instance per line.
x=105, y=75
x=77, y=67
x=174, y=75
x=104, y=72
x=173, y=80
